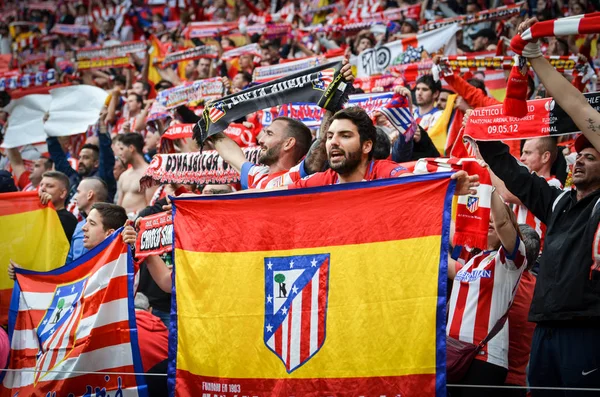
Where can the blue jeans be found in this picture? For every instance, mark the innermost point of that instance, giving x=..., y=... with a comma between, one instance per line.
x=164, y=317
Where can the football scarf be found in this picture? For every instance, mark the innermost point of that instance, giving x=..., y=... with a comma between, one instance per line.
x=323, y=85
x=578, y=24
x=545, y=118
x=472, y=211
x=190, y=54
x=194, y=168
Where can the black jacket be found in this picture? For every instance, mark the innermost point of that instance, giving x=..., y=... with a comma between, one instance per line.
x=564, y=288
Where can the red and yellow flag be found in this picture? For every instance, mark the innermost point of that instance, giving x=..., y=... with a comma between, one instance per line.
x=33, y=237
x=338, y=290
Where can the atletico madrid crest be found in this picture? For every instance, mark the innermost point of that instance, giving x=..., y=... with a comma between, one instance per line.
x=216, y=112
x=296, y=292
x=472, y=203
x=56, y=331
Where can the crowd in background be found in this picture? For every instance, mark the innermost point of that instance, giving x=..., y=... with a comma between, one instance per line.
x=105, y=163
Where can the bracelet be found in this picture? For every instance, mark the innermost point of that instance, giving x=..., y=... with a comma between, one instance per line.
x=532, y=50
x=493, y=189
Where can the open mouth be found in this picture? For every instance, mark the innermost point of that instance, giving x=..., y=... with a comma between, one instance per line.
x=578, y=171
x=336, y=155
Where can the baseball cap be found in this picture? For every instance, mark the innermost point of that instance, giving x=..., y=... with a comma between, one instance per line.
x=487, y=32
x=581, y=143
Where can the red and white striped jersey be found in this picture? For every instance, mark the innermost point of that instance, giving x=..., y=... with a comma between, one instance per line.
x=481, y=293
x=258, y=177
x=524, y=216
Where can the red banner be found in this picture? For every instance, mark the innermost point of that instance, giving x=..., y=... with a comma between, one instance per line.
x=155, y=236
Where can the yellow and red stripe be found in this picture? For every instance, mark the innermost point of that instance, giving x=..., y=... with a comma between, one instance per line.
x=384, y=329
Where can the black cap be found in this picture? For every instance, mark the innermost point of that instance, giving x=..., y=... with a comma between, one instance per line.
x=487, y=32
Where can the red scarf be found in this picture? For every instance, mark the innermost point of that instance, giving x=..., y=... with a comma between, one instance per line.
x=472, y=211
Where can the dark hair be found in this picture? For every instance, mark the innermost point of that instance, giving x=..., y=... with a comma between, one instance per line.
x=448, y=91
x=434, y=86
x=48, y=163
x=383, y=146
x=113, y=216
x=93, y=148
x=138, y=98
x=120, y=79
x=163, y=85
x=301, y=133
x=64, y=179
x=531, y=240
x=362, y=121
x=132, y=139
x=247, y=76
x=477, y=83
x=144, y=84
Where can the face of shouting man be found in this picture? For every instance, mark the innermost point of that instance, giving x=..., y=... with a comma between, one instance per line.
x=344, y=149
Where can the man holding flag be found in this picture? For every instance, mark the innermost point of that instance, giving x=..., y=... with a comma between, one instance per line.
x=350, y=139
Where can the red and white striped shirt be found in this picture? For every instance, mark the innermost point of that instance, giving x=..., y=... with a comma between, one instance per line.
x=258, y=177
x=481, y=293
x=524, y=216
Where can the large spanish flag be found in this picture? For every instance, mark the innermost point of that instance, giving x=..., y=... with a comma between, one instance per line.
x=338, y=290
x=32, y=236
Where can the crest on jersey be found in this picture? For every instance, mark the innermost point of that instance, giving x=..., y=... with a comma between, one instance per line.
x=472, y=203
x=296, y=293
x=56, y=331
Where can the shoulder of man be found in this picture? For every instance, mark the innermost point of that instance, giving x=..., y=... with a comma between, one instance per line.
x=388, y=169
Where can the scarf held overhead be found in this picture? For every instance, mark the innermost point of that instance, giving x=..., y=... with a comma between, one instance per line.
x=545, y=118
x=323, y=85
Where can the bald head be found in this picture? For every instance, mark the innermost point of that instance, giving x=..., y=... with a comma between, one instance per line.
x=91, y=191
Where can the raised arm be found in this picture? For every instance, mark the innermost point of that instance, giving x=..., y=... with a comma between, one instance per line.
x=503, y=223
x=229, y=150
x=317, y=154
x=16, y=162
x=566, y=95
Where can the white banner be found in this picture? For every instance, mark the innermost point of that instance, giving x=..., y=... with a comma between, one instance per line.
x=376, y=60
x=25, y=125
x=73, y=109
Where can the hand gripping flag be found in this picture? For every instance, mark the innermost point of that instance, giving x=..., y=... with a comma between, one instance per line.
x=67, y=323
x=34, y=238
x=343, y=300
x=323, y=85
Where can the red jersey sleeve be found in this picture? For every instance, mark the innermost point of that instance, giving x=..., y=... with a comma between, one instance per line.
x=314, y=180
x=474, y=96
x=23, y=180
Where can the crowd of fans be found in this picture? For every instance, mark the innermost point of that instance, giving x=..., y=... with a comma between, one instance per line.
x=93, y=179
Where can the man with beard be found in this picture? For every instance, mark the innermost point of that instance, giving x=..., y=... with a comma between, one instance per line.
x=350, y=140
x=283, y=144
x=93, y=160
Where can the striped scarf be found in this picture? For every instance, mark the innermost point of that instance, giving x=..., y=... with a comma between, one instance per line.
x=472, y=211
x=578, y=24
